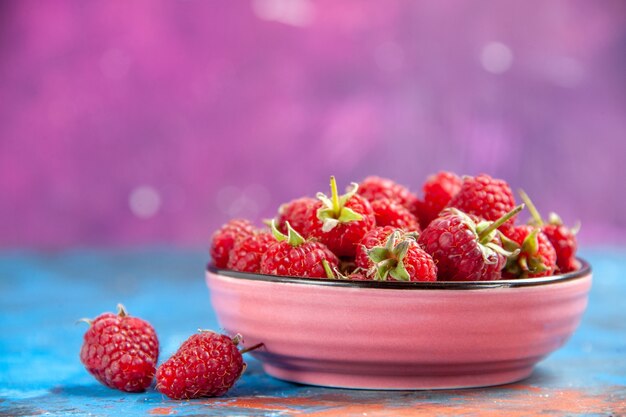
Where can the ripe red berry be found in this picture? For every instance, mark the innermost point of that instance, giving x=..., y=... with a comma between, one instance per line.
x=438, y=191
x=374, y=188
x=293, y=256
x=206, y=365
x=340, y=222
x=563, y=239
x=247, y=253
x=401, y=259
x=376, y=237
x=120, y=351
x=224, y=239
x=537, y=257
x=388, y=213
x=297, y=212
x=463, y=249
x=485, y=197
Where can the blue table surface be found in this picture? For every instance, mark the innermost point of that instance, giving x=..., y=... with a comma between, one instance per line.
x=43, y=294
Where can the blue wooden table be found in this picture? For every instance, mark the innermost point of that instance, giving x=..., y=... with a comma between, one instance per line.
x=43, y=294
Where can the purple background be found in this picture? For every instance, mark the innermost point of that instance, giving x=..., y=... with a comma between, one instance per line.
x=126, y=122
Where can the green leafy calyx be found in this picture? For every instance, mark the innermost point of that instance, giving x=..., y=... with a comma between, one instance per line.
x=526, y=259
x=292, y=237
x=389, y=259
x=334, y=210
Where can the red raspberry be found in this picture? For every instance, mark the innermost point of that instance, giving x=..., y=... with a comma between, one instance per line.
x=375, y=237
x=402, y=259
x=121, y=351
x=247, y=253
x=205, y=365
x=563, y=239
x=375, y=188
x=297, y=212
x=340, y=222
x=464, y=250
x=564, y=242
x=388, y=213
x=537, y=257
x=485, y=197
x=572, y=265
x=224, y=239
x=438, y=191
x=293, y=256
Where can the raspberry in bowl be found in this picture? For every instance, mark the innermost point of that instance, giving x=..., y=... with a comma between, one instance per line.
x=402, y=315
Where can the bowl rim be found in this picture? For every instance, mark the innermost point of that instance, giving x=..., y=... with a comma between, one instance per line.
x=583, y=271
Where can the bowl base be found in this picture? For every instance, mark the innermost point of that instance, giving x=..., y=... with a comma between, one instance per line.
x=398, y=382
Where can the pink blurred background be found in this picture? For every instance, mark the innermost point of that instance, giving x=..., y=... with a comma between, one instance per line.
x=134, y=122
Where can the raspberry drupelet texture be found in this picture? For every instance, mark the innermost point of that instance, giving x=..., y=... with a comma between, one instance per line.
x=563, y=238
x=121, y=351
x=247, y=253
x=375, y=237
x=224, y=240
x=388, y=213
x=537, y=257
x=206, y=365
x=374, y=188
x=564, y=241
x=438, y=190
x=293, y=256
x=485, y=197
x=465, y=249
x=340, y=222
x=297, y=212
x=419, y=265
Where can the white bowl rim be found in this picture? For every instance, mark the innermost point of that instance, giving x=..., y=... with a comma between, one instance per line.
x=583, y=271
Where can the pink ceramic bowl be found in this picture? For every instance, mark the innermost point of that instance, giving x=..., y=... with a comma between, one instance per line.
x=400, y=335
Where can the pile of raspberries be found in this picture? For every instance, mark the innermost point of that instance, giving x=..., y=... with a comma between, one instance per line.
x=462, y=229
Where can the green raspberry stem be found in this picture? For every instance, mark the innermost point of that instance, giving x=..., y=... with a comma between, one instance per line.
x=251, y=348
x=531, y=207
x=292, y=237
x=327, y=269
x=485, y=233
x=334, y=196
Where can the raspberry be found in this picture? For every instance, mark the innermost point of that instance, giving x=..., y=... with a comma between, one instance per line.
x=564, y=242
x=375, y=237
x=293, y=256
x=464, y=250
x=297, y=212
x=562, y=238
x=485, y=197
x=388, y=213
x=374, y=188
x=120, y=351
x=247, y=253
x=224, y=239
x=205, y=365
x=438, y=191
x=401, y=259
x=537, y=257
x=340, y=222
